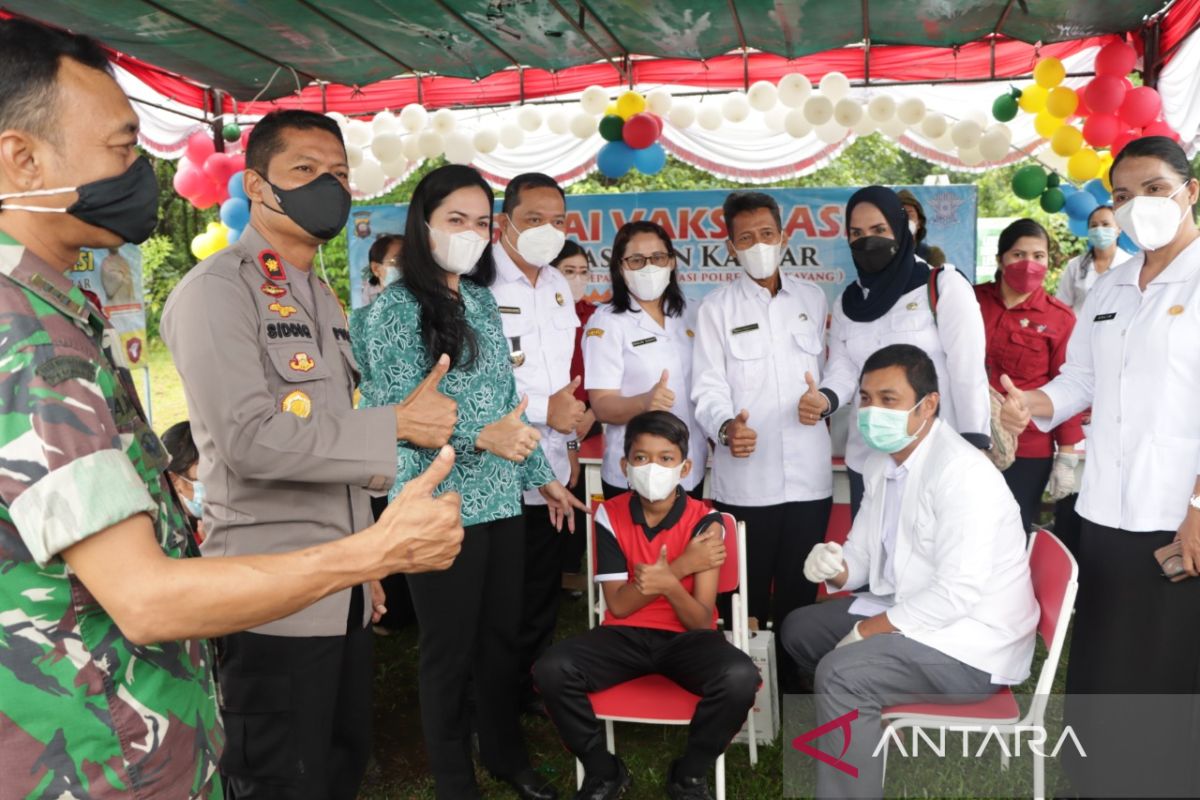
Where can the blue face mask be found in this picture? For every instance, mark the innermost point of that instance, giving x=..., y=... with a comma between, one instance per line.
x=195, y=506
x=1102, y=238
x=886, y=429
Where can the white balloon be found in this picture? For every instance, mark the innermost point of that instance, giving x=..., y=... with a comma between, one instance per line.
x=993, y=145
x=1000, y=131
x=583, y=126
x=395, y=169
x=894, y=127
x=970, y=156
x=369, y=178
x=385, y=122
x=1053, y=160
x=358, y=133
x=442, y=121
x=529, y=118
x=682, y=115
x=659, y=102
x=945, y=144
x=966, y=134
x=796, y=124
x=429, y=143
x=594, y=100
x=487, y=140
x=847, y=112
x=881, y=108
x=511, y=136
x=773, y=119
x=387, y=147
x=865, y=126
x=818, y=109
x=709, y=117
x=460, y=149
x=831, y=132
x=558, y=122
x=413, y=117
x=910, y=111
x=934, y=126
x=412, y=147
x=978, y=117
x=338, y=117
x=793, y=89
x=763, y=96
x=354, y=155
x=735, y=107
x=835, y=86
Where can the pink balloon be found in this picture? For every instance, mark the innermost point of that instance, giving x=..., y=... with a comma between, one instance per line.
x=188, y=180
x=1105, y=93
x=640, y=131
x=1140, y=106
x=1115, y=58
x=239, y=163
x=1122, y=139
x=207, y=197
x=1099, y=130
x=1160, y=128
x=199, y=147
x=219, y=167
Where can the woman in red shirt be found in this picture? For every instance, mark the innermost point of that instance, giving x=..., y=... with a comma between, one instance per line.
x=1027, y=332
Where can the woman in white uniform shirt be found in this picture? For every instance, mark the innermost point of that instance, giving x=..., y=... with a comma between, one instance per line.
x=1134, y=358
x=1081, y=272
x=637, y=350
x=890, y=304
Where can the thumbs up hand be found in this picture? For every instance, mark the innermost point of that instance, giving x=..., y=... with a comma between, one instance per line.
x=659, y=398
x=1014, y=414
x=812, y=403
x=657, y=578
x=563, y=411
x=510, y=437
x=741, y=438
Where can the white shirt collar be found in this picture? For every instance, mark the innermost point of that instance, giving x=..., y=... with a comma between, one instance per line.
x=507, y=269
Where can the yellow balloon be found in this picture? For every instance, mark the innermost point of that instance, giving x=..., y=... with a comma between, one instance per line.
x=1084, y=165
x=1062, y=101
x=1047, y=124
x=1049, y=72
x=1033, y=98
x=611, y=111
x=1066, y=141
x=1106, y=162
x=214, y=227
x=219, y=238
x=630, y=103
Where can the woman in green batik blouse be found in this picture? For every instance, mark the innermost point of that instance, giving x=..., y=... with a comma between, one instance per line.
x=468, y=614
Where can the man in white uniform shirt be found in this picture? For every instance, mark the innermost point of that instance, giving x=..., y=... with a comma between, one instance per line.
x=539, y=321
x=948, y=612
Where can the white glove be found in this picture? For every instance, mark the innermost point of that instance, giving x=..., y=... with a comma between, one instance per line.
x=1062, y=476
x=851, y=637
x=824, y=562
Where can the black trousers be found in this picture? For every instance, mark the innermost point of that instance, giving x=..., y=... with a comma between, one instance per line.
x=297, y=713
x=702, y=662
x=611, y=491
x=1068, y=525
x=1026, y=479
x=542, y=590
x=469, y=616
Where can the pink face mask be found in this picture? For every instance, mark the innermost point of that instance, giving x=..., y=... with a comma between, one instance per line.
x=1024, y=276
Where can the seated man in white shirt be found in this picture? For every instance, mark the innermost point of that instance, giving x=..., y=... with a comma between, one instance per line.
x=948, y=612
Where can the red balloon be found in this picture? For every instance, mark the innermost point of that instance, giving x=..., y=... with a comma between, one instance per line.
x=199, y=147
x=239, y=163
x=658, y=121
x=1115, y=58
x=1106, y=93
x=189, y=180
x=1140, y=106
x=1122, y=139
x=1082, y=109
x=219, y=167
x=1099, y=130
x=640, y=131
x=1160, y=128
x=206, y=197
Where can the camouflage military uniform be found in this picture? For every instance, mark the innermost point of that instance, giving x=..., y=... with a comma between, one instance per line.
x=84, y=712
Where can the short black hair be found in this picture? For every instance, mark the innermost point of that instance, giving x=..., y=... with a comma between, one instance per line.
x=1019, y=229
x=917, y=365
x=741, y=202
x=673, y=301
x=570, y=248
x=181, y=447
x=266, y=137
x=528, y=180
x=30, y=55
x=657, y=423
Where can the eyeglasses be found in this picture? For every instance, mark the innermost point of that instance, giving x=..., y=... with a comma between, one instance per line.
x=636, y=262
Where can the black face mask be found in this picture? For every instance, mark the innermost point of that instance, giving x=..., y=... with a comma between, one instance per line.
x=320, y=206
x=872, y=254
x=125, y=204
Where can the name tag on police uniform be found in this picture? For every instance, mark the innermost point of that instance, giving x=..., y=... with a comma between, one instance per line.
x=649, y=340
x=1105, y=317
x=753, y=326
x=510, y=310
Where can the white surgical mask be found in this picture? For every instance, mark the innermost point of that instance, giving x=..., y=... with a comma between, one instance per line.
x=390, y=275
x=760, y=260
x=648, y=283
x=654, y=482
x=540, y=245
x=578, y=284
x=912, y=228
x=1151, y=221
x=457, y=253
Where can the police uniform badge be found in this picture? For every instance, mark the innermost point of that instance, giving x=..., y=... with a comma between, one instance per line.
x=297, y=403
x=282, y=310
x=516, y=355
x=913, y=306
x=301, y=362
x=558, y=298
x=272, y=290
x=1175, y=311
x=272, y=265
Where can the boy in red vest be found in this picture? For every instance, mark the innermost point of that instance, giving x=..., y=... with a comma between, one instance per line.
x=658, y=552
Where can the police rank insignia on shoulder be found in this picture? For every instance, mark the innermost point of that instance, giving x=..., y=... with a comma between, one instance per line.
x=281, y=310
x=301, y=362
x=595, y=331
x=558, y=298
x=272, y=290
x=272, y=265
x=297, y=403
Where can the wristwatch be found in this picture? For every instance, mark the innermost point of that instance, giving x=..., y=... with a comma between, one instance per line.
x=722, y=432
x=573, y=444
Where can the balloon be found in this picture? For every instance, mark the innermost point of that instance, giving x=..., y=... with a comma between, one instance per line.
x=460, y=147
x=630, y=103
x=1004, y=108
x=1140, y=107
x=395, y=169
x=1115, y=58
x=709, y=117
x=210, y=194
x=583, y=126
x=234, y=234
x=1084, y=165
x=1029, y=182
x=1105, y=93
x=796, y=125
x=1160, y=128
x=1033, y=99
x=966, y=134
x=994, y=143
x=188, y=180
x=385, y=122
x=235, y=212
x=199, y=147
x=1080, y=204
x=1099, y=130
x=934, y=127
x=594, y=100
x=238, y=161
x=818, y=110
x=660, y=101
x=1062, y=101
x=894, y=128
x=970, y=156
x=615, y=159
x=443, y=121
x=529, y=118
x=610, y=128
x=369, y=179
x=200, y=246
x=910, y=111
x=735, y=107
x=413, y=117
x=640, y=131
x=354, y=155
x=1047, y=124
x=429, y=142
x=1052, y=180
x=1121, y=139
x=1126, y=244
x=387, y=147
x=511, y=136
x=219, y=167
x=1066, y=141
x=358, y=133
x=610, y=110
x=794, y=88
x=835, y=85
x=236, y=187
x=231, y=132
x=558, y=122
x=1095, y=187
x=831, y=132
x=1053, y=200
x=865, y=126
x=487, y=140
x=682, y=115
x=881, y=108
x=650, y=160
x=1077, y=226
x=847, y=112
x=762, y=96
x=1049, y=72
x=773, y=119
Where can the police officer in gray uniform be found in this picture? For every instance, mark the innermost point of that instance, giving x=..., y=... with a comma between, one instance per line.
x=263, y=349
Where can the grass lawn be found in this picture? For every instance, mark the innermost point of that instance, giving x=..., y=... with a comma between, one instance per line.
x=167, y=405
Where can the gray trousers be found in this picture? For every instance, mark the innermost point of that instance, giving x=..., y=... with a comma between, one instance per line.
x=879, y=671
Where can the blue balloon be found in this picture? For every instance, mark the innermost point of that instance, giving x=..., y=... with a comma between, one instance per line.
x=1079, y=205
x=235, y=234
x=235, y=213
x=1096, y=188
x=1126, y=244
x=1067, y=189
x=615, y=159
x=1079, y=226
x=235, y=186
x=650, y=160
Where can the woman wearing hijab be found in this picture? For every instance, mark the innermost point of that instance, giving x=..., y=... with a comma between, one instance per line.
x=897, y=299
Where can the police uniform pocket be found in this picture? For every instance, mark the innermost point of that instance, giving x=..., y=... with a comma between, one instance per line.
x=260, y=742
x=298, y=362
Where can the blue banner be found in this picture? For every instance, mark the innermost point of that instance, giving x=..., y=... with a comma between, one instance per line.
x=812, y=220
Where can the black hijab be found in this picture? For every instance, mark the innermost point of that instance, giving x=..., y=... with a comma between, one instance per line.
x=873, y=295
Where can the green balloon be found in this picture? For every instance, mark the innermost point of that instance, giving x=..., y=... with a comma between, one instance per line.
x=610, y=128
x=231, y=132
x=1029, y=182
x=1004, y=108
x=1053, y=180
x=1053, y=200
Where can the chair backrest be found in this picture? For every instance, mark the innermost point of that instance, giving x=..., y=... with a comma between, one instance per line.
x=1055, y=577
x=730, y=577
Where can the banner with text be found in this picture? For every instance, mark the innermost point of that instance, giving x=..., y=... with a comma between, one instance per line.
x=114, y=278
